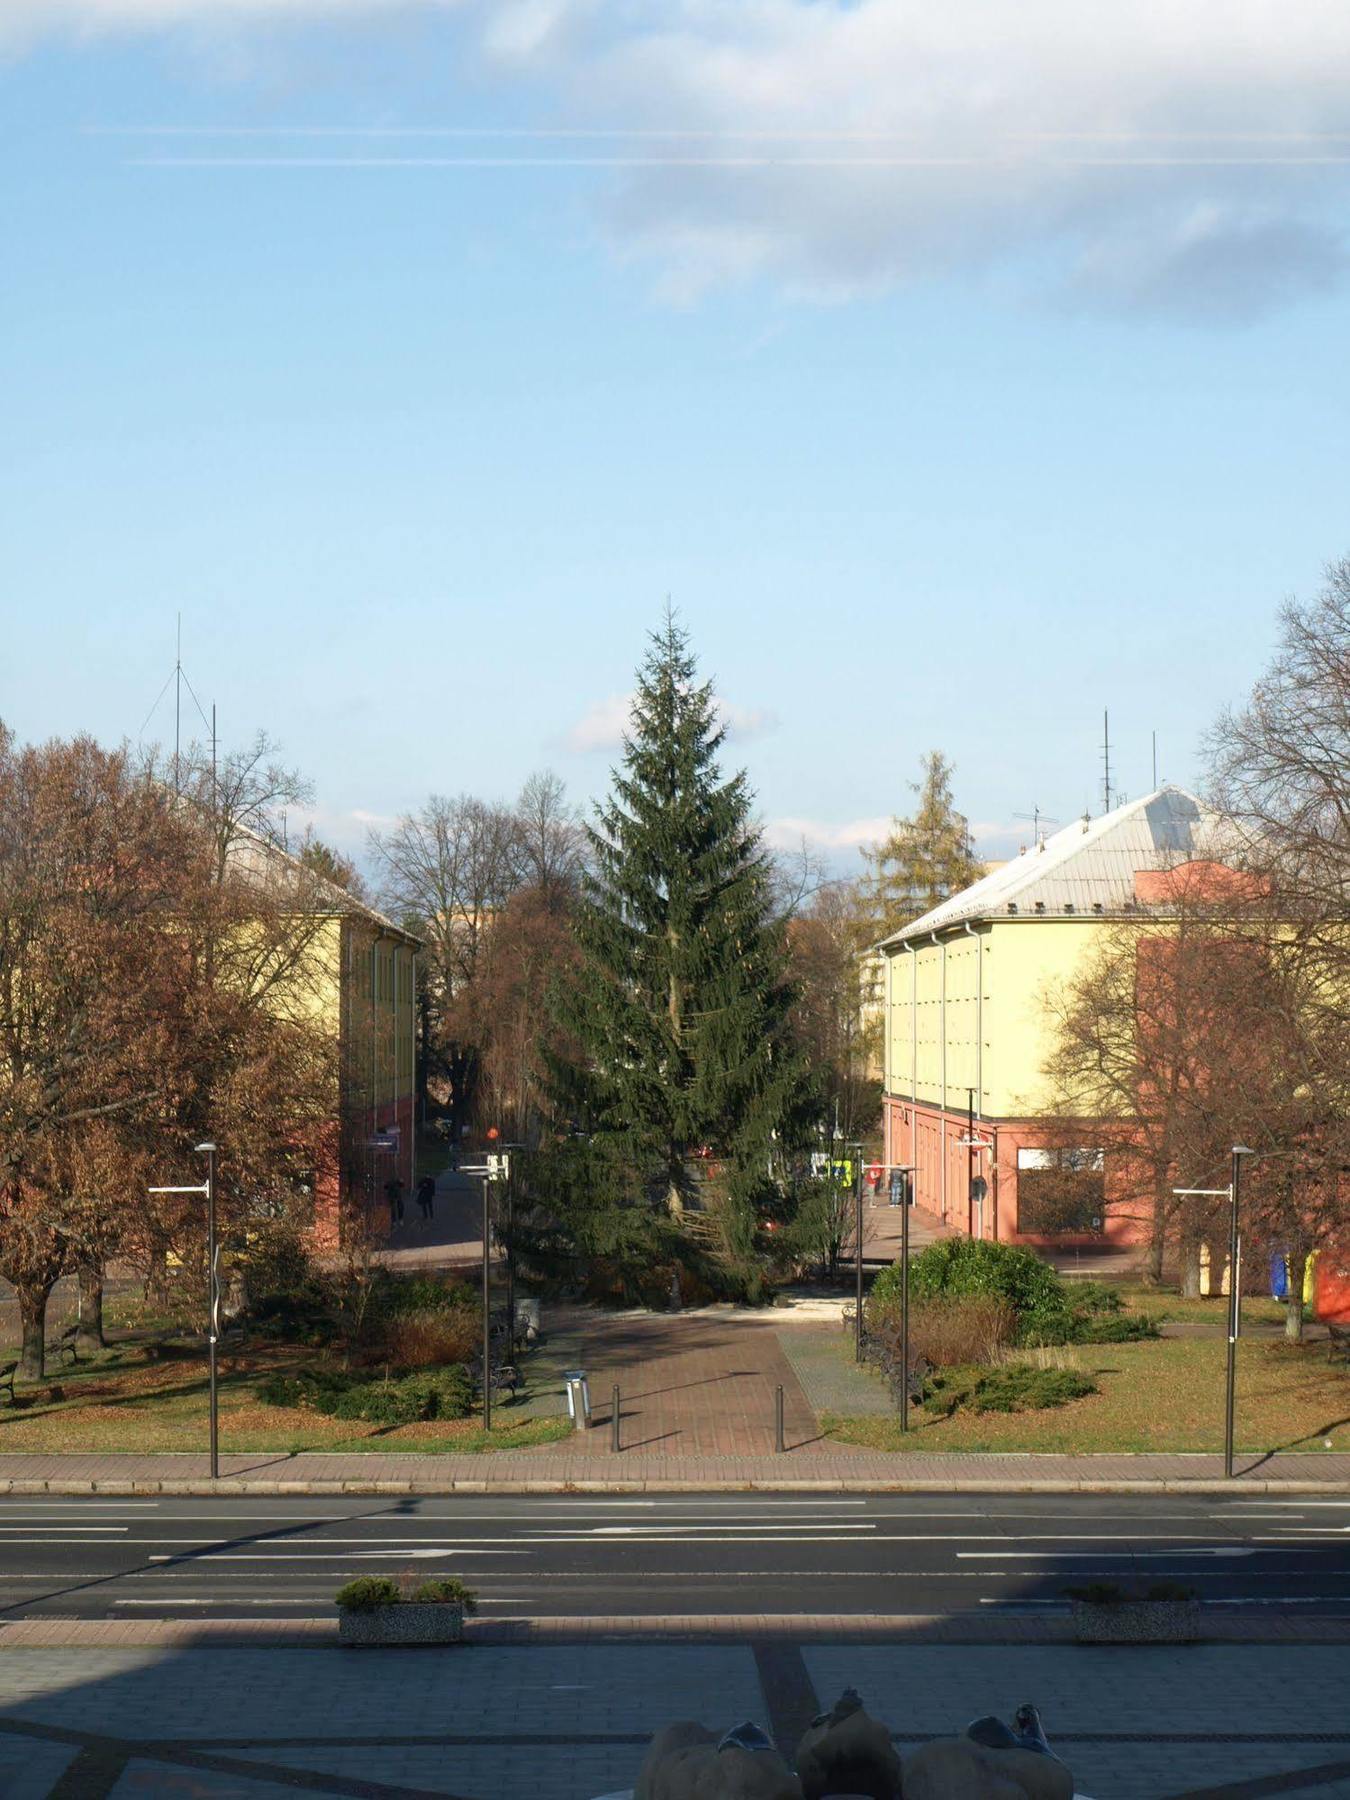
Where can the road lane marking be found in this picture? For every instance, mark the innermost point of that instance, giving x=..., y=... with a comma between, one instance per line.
x=216, y=1556
x=1103, y=1555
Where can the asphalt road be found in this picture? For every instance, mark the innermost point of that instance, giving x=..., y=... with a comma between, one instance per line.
x=690, y=1554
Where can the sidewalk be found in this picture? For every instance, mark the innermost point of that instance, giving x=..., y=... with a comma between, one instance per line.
x=568, y=1721
x=812, y=1467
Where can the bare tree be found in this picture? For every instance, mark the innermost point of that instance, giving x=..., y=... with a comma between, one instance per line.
x=1281, y=762
x=552, y=842
x=448, y=870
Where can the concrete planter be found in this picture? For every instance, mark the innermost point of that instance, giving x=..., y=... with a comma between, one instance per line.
x=410, y=1622
x=1136, y=1622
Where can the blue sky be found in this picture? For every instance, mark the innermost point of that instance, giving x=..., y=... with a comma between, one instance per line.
x=957, y=378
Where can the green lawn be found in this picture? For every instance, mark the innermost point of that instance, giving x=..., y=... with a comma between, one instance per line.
x=1166, y=1303
x=124, y=1401
x=1166, y=1394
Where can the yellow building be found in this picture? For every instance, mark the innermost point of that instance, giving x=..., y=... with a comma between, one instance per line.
x=355, y=971
x=966, y=1033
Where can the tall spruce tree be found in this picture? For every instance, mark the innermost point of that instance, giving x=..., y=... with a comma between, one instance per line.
x=678, y=1017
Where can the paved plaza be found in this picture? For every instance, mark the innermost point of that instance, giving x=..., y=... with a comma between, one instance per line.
x=568, y=1721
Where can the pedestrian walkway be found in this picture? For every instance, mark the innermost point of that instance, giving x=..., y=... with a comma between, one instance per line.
x=570, y=1721
x=591, y=1466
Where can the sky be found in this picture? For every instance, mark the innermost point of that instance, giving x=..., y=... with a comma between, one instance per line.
x=958, y=372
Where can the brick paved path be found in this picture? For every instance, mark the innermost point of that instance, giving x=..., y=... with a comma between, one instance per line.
x=690, y=1386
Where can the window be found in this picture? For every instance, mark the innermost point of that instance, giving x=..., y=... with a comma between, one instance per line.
x=1060, y=1191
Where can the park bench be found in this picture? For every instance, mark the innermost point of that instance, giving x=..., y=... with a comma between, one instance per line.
x=8, y=1370
x=65, y=1343
x=1339, y=1349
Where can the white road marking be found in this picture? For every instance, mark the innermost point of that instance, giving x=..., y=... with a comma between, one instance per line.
x=1103, y=1555
x=219, y=1556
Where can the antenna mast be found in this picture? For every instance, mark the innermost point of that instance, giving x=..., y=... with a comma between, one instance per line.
x=1155, y=762
x=177, y=703
x=1106, y=761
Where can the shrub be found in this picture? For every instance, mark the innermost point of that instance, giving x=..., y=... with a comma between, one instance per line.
x=1111, y=1593
x=972, y=1330
x=425, y=1340
x=407, y=1296
x=960, y=1267
x=1016, y=1387
x=306, y=1316
x=1047, y=1309
x=437, y=1394
x=446, y=1590
x=366, y=1593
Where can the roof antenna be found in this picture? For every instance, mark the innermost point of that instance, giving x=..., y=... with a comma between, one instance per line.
x=179, y=679
x=1036, y=815
x=1155, y=762
x=1106, y=761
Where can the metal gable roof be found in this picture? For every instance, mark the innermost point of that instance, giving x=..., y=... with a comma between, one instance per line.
x=1090, y=863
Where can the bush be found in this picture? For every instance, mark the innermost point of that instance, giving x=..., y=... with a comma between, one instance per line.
x=972, y=1330
x=437, y=1394
x=425, y=1340
x=1047, y=1309
x=1016, y=1387
x=366, y=1593
x=411, y=1296
x=445, y=1590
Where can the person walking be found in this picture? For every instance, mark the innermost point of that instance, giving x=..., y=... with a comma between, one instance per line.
x=426, y=1196
x=393, y=1193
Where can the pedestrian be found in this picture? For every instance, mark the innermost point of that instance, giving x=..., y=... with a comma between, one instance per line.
x=426, y=1196
x=393, y=1193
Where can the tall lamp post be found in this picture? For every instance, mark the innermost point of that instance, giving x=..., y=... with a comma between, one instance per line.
x=208, y=1190
x=1231, y=1194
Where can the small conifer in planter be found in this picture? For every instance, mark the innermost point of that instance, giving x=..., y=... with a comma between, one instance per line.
x=374, y=1609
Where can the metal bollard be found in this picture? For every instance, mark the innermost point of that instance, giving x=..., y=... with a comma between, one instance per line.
x=578, y=1398
x=780, y=1446
x=614, y=1422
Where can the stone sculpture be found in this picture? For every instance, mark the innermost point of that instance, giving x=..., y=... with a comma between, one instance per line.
x=688, y=1762
x=844, y=1751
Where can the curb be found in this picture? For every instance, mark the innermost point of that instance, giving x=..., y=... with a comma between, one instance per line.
x=748, y=1628
x=452, y=1485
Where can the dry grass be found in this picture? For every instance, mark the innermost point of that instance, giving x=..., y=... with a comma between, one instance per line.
x=1161, y=1395
x=126, y=1403
x=428, y=1340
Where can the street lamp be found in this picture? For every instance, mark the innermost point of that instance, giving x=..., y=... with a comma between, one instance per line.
x=1231, y=1194
x=208, y=1188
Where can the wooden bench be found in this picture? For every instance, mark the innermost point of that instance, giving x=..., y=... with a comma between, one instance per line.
x=8, y=1370
x=65, y=1343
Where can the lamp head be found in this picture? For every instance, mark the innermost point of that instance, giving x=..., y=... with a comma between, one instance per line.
x=202, y=1148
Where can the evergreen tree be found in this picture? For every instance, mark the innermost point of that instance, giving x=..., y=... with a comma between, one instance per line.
x=677, y=1017
x=927, y=857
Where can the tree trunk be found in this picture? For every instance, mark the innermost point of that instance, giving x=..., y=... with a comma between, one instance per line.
x=1190, y=1271
x=33, y=1323
x=90, y=1336
x=1295, y=1264
x=1157, y=1246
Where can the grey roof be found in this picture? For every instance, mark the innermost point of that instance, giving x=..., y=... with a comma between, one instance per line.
x=1088, y=864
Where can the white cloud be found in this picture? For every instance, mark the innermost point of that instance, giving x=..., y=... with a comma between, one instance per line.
x=604, y=723
x=1189, y=158
x=602, y=726
x=787, y=833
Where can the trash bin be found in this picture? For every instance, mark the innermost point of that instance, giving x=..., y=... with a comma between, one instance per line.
x=578, y=1397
